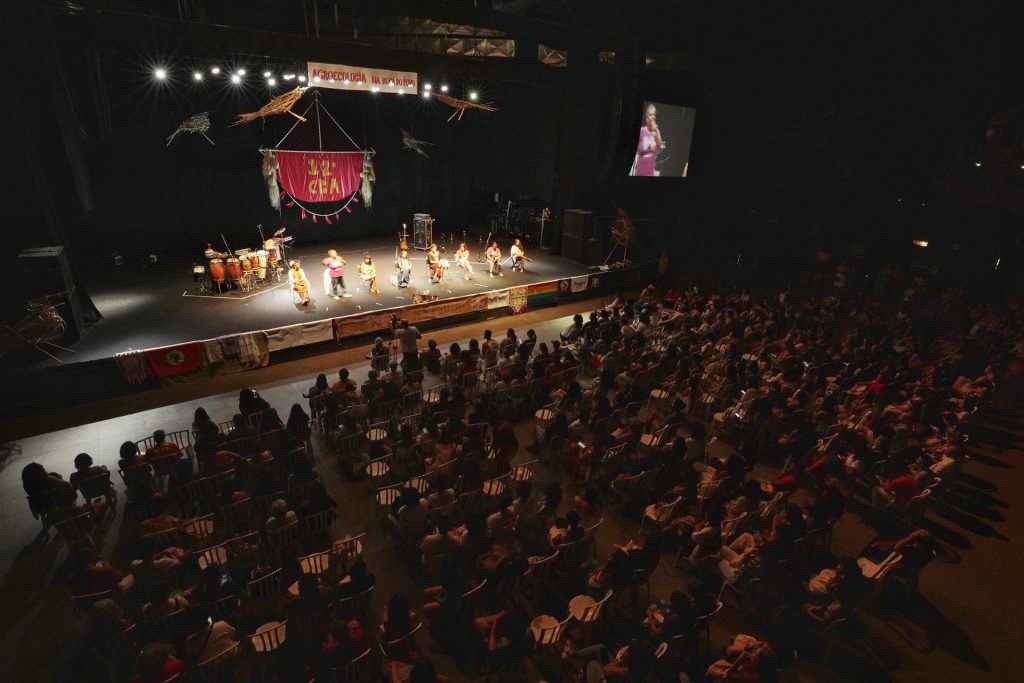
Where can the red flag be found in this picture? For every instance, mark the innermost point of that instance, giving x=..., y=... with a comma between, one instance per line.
x=355, y=199
x=303, y=214
x=328, y=219
x=314, y=218
x=283, y=193
x=348, y=210
x=168, y=361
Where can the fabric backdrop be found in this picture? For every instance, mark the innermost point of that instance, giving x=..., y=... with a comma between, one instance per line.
x=319, y=176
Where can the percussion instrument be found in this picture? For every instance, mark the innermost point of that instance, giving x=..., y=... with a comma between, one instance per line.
x=217, y=270
x=234, y=268
x=246, y=264
x=261, y=268
x=254, y=261
x=273, y=252
x=198, y=270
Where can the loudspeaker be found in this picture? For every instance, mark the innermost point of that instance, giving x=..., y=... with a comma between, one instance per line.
x=422, y=231
x=572, y=248
x=45, y=270
x=579, y=223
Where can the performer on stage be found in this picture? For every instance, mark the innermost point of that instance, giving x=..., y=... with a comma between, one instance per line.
x=434, y=263
x=334, y=264
x=518, y=257
x=404, y=267
x=493, y=255
x=368, y=274
x=649, y=145
x=462, y=261
x=298, y=283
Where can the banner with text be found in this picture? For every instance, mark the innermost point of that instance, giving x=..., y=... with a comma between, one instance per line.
x=319, y=176
x=341, y=77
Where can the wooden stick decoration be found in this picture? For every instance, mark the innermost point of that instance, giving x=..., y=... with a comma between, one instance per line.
x=460, y=106
x=282, y=104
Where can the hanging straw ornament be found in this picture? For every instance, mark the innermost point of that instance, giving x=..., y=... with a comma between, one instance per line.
x=282, y=104
x=460, y=106
x=197, y=123
x=412, y=144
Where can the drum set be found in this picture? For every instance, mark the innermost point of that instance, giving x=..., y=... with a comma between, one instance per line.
x=244, y=269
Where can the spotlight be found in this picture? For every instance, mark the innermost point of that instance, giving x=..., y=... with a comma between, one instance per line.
x=426, y=94
x=160, y=73
x=302, y=79
x=921, y=243
x=978, y=164
x=266, y=74
x=197, y=76
x=271, y=81
x=428, y=86
x=346, y=81
x=473, y=96
x=240, y=72
x=236, y=79
x=373, y=89
x=401, y=91
x=444, y=88
x=316, y=79
x=289, y=77
x=215, y=70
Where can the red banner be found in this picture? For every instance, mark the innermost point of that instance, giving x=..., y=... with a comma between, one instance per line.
x=319, y=176
x=168, y=361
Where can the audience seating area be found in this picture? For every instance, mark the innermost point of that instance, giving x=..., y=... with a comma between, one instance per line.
x=533, y=489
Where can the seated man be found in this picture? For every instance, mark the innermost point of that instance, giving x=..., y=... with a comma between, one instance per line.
x=404, y=267
x=161, y=447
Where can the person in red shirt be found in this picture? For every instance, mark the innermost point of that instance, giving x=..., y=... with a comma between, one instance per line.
x=898, y=490
x=161, y=446
x=157, y=663
x=94, y=575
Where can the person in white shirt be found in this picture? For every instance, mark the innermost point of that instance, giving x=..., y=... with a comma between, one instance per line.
x=407, y=336
x=493, y=255
x=462, y=261
x=518, y=257
x=404, y=267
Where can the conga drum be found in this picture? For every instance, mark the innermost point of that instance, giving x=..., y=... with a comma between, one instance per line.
x=273, y=252
x=234, y=269
x=261, y=265
x=217, y=270
x=245, y=263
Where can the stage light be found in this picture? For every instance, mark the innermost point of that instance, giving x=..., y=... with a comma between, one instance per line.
x=215, y=70
x=473, y=96
x=316, y=79
x=271, y=81
x=428, y=86
x=401, y=91
x=346, y=81
x=426, y=94
x=160, y=73
x=289, y=77
x=978, y=164
x=921, y=243
x=240, y=72
x=373, y=89
x=444, y=88
x=266, y=74
x=197, y=76
x=236, y=79
x=302, y=79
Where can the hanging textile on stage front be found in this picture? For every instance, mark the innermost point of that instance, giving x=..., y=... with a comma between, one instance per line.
x=319, y=176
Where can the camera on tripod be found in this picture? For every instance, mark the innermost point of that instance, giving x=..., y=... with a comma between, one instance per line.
x=394, y=321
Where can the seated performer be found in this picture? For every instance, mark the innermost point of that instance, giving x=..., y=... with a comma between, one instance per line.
x=404, y=267
x=462, y=261
x=368, y=273
x=298, y=283
x=434, y=263
x=518, y=257
x=493, y=255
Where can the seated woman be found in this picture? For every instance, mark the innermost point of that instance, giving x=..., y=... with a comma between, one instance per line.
x=368, y=274
x=746, y=659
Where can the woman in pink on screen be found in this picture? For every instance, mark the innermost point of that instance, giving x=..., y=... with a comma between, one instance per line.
x=649, y=145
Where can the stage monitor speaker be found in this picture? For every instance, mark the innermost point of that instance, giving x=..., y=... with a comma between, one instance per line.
x=45, y=270
x=422, y=231
x=579, y=223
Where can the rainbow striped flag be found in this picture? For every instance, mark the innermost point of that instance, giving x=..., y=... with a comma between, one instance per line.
x=542, y=294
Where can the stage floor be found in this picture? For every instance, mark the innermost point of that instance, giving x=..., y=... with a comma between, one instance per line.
x=153, y=305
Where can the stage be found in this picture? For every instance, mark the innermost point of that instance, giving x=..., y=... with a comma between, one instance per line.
x=149, y=305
